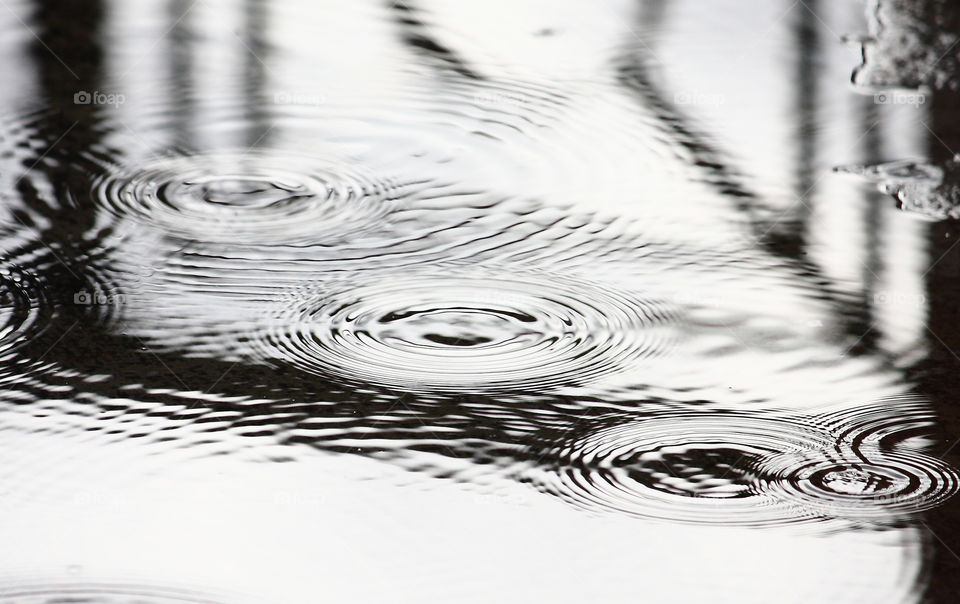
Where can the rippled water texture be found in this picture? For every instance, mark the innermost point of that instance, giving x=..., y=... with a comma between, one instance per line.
x=371, y=302
x=741, y=469
x=229, y=197
x=23, y=309
x=459, y=329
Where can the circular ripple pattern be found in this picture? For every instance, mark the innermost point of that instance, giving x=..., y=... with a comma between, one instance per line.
x=902, y=483
x=698, y=469
x=741, y=470
x=882, y=476
x=468, y=330
x=259, y=197
x=21, y=308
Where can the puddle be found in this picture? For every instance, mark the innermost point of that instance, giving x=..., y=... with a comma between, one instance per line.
x=301, y=299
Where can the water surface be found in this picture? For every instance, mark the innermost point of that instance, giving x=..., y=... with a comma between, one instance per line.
x=474, y=301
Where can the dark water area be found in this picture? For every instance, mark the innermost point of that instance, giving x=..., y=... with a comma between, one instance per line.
x=470, y=302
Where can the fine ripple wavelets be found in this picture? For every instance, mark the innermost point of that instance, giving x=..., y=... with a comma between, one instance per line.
x=256, y=195
x=24, y=309
x=880, y=471
x=462, y=329
x=740, y=469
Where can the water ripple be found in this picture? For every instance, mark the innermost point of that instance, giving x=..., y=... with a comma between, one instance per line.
x=878, y=470
x=467, y=329
x=738, y=469
x=263, y=196
x=24, y=310
x=882, y=486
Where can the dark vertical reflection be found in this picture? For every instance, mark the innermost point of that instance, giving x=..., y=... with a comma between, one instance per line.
x=182, y=64
x=69, y=54
x=910, y=38
x=806, y=30
x=940, y=378
x=69, y=57
x=255, y=16
x=871, y=143
x=913, y=47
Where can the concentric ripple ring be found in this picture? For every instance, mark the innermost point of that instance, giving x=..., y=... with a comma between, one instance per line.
x=467, y=329
x=258, y=196
x=22, y=308
x=741, y=470
x=700, y=468
x=873, y=474
x=893, y=485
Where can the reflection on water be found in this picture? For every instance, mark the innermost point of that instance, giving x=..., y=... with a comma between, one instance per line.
x=230, y=196
x=458, y=329
x=743, y=469
x=23, y=308
x=502, y=255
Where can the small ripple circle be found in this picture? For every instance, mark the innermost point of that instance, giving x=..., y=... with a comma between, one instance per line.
x=871, y=485
x=742, y=470
x=259, y=197
x=22, y=308
x=692, y=468
x=458, y=329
